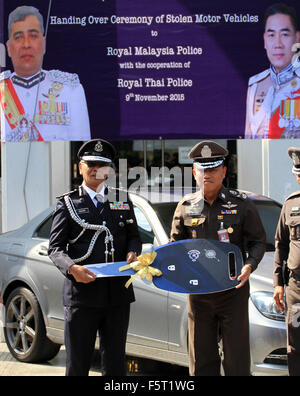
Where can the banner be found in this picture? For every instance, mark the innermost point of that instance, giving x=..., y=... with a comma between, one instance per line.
x=2, y=46
x=172, y=69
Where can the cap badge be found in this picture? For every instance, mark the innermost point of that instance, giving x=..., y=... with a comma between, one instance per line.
x=206, y=152
x=98, y=147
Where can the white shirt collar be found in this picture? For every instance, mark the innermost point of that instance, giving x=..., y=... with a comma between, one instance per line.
x=93, y=193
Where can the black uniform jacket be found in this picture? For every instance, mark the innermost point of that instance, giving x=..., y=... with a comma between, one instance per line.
x=121, y=221
x=238, y=215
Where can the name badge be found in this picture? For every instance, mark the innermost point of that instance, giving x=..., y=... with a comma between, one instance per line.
x=295, y=211
x=83, y=210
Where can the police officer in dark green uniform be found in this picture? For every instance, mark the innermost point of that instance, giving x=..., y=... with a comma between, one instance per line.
x=230, y=216
x=288, y=252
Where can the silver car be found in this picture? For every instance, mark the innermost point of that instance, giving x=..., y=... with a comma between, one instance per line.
x=31, y=287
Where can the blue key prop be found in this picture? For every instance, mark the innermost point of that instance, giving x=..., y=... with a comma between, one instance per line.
x=142, y=268
x=193, y=266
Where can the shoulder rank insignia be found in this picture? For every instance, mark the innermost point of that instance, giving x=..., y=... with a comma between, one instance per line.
x=68, y=193
x=258, y=77
x=5, y=75
x=69, y=79
x=238, y=194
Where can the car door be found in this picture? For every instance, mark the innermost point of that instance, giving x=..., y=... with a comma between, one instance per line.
x=47, y=278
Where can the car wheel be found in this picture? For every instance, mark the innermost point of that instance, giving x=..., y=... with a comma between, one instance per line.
x=24, y=330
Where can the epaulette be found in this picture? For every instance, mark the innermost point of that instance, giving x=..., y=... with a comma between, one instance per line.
x=189, y=197
x=5, y=75
x=258, y=77
x=68, y=79
x=68, y=193
x=237, y=194
x=293, y=195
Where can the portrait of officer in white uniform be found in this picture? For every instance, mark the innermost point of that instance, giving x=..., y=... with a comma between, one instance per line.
x=38, y=104
x=273, y=98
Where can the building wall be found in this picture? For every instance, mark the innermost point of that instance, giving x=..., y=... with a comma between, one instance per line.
x=33, y=174
x=264, y=167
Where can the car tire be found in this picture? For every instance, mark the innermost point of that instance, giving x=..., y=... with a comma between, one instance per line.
x=24, y=330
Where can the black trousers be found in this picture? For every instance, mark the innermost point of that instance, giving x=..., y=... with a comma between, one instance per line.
x=81, y=326
x=208, y=315
x=293, y=326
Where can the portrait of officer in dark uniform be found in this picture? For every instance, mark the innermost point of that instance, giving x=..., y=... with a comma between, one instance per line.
x=287, y=268
x=230, y=216
x=87, y=229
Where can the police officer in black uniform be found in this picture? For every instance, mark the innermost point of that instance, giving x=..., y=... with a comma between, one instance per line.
x=226, y=214
x=288, y=252
x=94, y=224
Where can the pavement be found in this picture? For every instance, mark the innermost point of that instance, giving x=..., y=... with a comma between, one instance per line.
x=11, y=367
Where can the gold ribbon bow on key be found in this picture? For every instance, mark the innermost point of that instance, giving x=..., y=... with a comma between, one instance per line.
x=142, y=267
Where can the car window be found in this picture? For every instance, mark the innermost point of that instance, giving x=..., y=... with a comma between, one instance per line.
x=165, y=212
x=269, y=213
x=145, y=229
x=43, y=231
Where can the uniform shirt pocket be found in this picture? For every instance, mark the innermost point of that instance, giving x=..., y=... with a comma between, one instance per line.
x=293, y=222
x=194, y=227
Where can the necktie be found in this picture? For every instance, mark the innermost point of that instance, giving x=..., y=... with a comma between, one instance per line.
x=100, y=203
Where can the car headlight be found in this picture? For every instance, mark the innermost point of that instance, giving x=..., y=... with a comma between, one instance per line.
x=264, y=302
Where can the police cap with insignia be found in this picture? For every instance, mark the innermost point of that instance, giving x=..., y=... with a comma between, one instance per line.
x=97, y=150
x=294, y=153
x=208, y=154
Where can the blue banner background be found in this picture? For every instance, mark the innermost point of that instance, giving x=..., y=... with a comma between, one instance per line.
x=2, y=48
x=214, y=106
